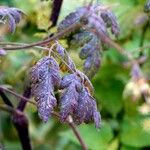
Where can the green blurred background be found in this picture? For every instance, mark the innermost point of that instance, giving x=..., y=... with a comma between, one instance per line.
x=125, y=123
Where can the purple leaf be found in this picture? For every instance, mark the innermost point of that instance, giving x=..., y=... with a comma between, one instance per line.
x=92, y=64
x=68, y=102
x=44, y=78
x=86, y=110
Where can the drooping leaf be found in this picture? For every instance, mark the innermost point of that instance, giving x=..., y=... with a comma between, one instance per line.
x=92, y=64
x=44, y=78
x=86, y=110
x=69, y=98
x=68, y=102
x=77, y=102
x=67, y=64
x=95, y=24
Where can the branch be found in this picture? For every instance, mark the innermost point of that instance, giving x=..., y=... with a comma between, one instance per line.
x=10, y=110
x=78, y=136
x=17, y=95
x=55, y=11
x=44, y=42
x=74, y=129
x=21, y=124
x=20, y=121
x=5, y=98
x=26, y=94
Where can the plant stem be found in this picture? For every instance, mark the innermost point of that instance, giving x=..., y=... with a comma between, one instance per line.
x=44, y=42
x=17, y=95
x=26, y=94
x=5, y=98
x=22, y=126
x=78, y=136
x=55, y=11
x=19, y=121
x=10, y=109
x=75, y=131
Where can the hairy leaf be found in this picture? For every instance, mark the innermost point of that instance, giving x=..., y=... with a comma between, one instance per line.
x=86, y=110
x=76, y=100
x=44, y=78
x=68, y=102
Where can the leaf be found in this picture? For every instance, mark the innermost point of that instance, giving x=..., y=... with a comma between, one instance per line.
x=69, y=98
x=86, y=110
x=92, y=64
x=44, y=78
x=77, y=102
x=68, y=102
x=91, y=53
x=67, y=64
x=72, y=18
x=136, y=131
x=109, y=88
x=95, y=140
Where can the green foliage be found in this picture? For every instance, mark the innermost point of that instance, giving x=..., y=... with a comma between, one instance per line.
x=101, y=138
